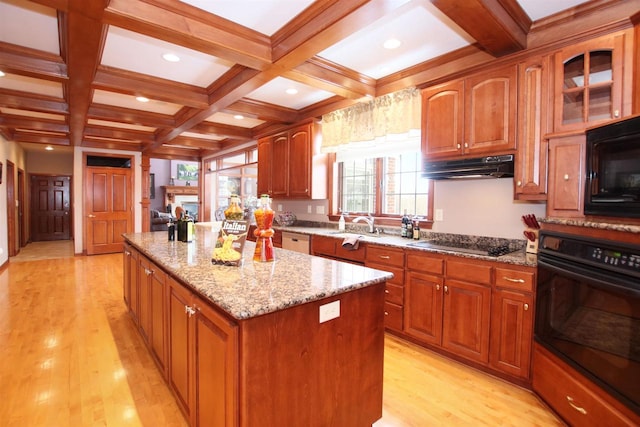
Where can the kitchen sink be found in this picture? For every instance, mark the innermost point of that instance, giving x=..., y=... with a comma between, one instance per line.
x=345, y=234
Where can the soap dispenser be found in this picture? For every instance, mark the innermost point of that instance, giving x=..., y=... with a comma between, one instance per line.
x=341, y=222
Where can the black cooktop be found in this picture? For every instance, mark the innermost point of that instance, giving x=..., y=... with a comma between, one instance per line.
x=468, y=248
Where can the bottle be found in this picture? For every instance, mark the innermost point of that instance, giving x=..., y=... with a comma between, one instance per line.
x=409, y=234
x=341, y=225
x=263, y=232
x=181, y=227
x=234, y=211
x=172, y=230
x=405, y=220
x=190, y=230
x=416, y=228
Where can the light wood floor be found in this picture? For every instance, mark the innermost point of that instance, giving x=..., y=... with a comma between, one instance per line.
x=70, y=356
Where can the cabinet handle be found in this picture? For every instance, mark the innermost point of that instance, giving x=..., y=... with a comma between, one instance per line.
x=189, y=311
x=509, y=279
x=519, y=183
x=127, y=253
x=458, y=145
x=526, y=307
x=384, y=257
x=386, y=313
x=566, y=177
x=446, y=289
x=616, y=113
x=576, y=407
x=466, y=145
x=437, y=287
x=91, y=216
x=148, y=272
x=386, y=291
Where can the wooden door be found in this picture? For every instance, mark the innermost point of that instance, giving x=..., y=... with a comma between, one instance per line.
x=280, y=165
x=443, y=120
x=300, y=162
x=12, y=247
x=423, y=307
x=50, y=207
x=108, y=207
x=180, y=344
x=491, y=102
x=22, y=226
x=466, y=318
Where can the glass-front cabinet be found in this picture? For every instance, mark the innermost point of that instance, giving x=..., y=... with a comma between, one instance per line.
x=591, y=82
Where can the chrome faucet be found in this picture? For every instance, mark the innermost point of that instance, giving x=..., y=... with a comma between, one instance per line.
x=368, y=219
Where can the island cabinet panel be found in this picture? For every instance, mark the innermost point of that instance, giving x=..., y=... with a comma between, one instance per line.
x=391, y=260
x=181, y=343
x=344, y=387
x=126, y=269
x=145, y=274
x=132, y=280
x=158, y=312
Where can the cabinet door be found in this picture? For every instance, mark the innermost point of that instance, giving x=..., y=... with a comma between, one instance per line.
x=180, y=343
x=144, y=294
x=491, y=102
x=511, y=332
x=264, y=166
x=134, y=280
x=279, y=165
x=465, y=324
x=157, y=336
x=423, y=307
x=443, y=120
x=530, y=172
x=215, y=369
x=126, y=270
x=590, y=78
x=300, y=162
x=566, y=176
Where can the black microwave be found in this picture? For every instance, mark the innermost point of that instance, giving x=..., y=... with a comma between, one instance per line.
x=613, y=169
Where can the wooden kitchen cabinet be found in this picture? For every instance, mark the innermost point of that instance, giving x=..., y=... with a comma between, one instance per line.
x=471, y=117
x=593, y=81
x=566, y=176
x=145, y=273
x=512, y=320
x=530, y=169
x=390, y=259
x=331, y=247
x=290, y=164
x=131, y=282
x=202, y=359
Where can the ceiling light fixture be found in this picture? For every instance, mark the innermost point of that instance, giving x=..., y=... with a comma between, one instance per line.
x=292, y=91
x=142, y=99
x=238, y=117
x=2, y=74
x=171, y=57
x=48, y=148
x=392, y=44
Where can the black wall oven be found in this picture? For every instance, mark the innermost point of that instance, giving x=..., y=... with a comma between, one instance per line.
x=588, y=309
x=613, y=169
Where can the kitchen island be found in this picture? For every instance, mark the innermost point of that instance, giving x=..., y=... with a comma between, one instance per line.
x=298, y=341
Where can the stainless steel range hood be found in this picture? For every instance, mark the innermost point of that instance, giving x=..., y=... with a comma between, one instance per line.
x=481, y=167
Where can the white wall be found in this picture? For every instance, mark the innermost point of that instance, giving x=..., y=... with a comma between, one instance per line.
x=482, y=207
x=15, y=154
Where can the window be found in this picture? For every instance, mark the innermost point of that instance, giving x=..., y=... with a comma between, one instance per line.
x=384, y=186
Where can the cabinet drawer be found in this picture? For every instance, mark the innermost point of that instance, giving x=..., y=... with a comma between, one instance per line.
x=469, y=271
x=323, y=245
x=394, y=293
x=575, y=399
x=422, y=261
x=398, y=272
x=385, y=255
x=515, y=279
x=392, y=316
x=354, y=256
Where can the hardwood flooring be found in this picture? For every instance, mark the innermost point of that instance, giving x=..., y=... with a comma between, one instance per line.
x=71, y=356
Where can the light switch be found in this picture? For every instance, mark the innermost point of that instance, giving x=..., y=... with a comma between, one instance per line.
x=320, y=210
x=309, y=209
x=439, y=215
x=329, y=311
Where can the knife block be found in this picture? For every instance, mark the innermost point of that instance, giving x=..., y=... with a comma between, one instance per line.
x=532, y=247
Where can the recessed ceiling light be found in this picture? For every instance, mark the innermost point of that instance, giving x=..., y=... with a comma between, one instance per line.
x=1, y=74
x=238, y=117
x=392, y=44
x=142, y=99
x=292, y=91
x=171, y=57
x=48, y=148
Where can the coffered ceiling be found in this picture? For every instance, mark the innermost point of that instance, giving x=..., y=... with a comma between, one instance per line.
x=74, y=70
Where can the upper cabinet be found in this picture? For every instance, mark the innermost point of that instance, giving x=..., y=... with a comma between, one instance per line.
x=471, y=117
x=593, y=82
x=290, y=164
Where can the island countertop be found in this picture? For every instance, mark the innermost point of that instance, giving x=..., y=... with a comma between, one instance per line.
x=253, y=288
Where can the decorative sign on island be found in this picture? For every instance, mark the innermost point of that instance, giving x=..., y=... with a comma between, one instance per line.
x=229, y=243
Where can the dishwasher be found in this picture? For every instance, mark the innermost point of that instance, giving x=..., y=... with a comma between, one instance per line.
x=295, y=242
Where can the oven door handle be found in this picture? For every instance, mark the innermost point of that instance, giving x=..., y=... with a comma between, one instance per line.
x=592, y=275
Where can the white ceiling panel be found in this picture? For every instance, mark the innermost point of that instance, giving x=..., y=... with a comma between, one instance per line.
x=275, y=92
x=120, y=125
x=28, y=24
x=264, y=16
x=229, y=119
x=135, y=52
x=537, y=9
x=207, y=137
x=126, y=101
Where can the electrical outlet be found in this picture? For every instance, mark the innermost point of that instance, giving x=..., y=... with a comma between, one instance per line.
x=309, y=209
x=320, y=210
x=329, y=311
x=1, y=251
x=279, y=207
x=439, y=215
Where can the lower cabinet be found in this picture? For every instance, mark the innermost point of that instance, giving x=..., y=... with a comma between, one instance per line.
x=391, y=260
x=202, y=359
x=131, y=281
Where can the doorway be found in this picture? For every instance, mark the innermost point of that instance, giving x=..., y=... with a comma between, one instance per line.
x=11, y=209
x=50, y=207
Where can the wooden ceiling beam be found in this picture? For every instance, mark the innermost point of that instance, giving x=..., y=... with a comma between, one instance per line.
x=111, y=144
x=118, y=133
x=185, y=141
x=499, y=26
x=20, y=122
x=32, y=63
x=222, y=130
x=32, y=102
x=136, y=84
x=38, y=138
x=130, y=116
x=262, y=110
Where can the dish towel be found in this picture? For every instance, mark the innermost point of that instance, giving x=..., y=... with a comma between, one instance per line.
x=351, y=243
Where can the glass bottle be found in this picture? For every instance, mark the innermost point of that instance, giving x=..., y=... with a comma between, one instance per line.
x=405, y=221
x=264, y=232
x=234, y=211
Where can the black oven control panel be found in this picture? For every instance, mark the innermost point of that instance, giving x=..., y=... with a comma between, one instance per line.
x=614, y=256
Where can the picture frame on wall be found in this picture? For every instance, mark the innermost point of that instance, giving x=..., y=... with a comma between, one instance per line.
x=186, y=172
x=152, y=184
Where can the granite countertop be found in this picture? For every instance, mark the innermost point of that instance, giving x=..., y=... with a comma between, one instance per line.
x=254, y=288
x=516, y=257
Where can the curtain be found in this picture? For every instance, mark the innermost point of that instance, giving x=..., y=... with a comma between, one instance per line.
x=381, y=122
